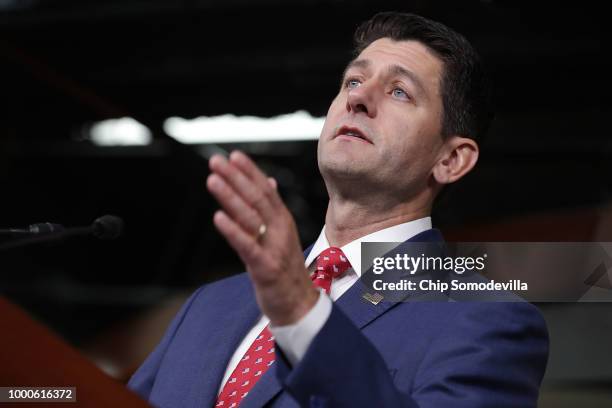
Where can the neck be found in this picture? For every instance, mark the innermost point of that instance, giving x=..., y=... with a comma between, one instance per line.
x=348, y=220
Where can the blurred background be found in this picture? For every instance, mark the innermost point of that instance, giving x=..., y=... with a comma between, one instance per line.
x=68, y=67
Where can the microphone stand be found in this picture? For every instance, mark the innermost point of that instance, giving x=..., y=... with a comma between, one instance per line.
x=39, y=239
x=105, y=227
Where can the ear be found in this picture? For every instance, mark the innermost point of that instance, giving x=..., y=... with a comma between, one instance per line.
x=459, y=155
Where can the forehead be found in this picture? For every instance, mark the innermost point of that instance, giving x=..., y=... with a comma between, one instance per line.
x=409, y=54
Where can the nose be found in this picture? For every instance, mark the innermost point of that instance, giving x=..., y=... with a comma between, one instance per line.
x=362, y=99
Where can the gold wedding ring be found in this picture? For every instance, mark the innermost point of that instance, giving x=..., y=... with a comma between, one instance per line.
x=262, y=231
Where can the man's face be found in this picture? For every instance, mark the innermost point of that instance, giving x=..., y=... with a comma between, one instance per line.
x=383, y=127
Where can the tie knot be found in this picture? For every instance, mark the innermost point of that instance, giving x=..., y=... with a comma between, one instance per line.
x=332, y=262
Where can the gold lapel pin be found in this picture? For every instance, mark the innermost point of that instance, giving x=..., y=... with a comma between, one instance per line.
x=373, y=298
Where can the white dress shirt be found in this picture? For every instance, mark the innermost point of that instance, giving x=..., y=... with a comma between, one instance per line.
x=295, y=339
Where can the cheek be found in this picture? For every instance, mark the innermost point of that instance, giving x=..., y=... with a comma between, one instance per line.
x=331, y=119
x=425, y=134
x=410, y=147
x=432, y=124
x=336, y=106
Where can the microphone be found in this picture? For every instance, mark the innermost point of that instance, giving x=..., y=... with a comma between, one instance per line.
x=105, y=227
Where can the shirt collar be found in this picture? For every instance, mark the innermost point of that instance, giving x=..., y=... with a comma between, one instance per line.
x=352, y=250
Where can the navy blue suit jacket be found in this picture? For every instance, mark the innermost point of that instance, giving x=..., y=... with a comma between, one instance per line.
x=404, y=354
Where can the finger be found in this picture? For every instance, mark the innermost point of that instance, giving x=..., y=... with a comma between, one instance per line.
x=239, y=182
x=249, y=168
x=273, y=182
x=257, y=196
x=244, y=244
x=233, y=204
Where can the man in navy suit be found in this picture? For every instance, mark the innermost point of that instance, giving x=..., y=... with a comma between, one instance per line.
x=405, y=123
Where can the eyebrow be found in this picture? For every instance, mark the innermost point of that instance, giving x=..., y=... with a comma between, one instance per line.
x=356, y=63
x=393, y=70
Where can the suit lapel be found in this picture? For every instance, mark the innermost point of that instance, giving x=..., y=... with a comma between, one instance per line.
x=218, y=349
x=362, y=311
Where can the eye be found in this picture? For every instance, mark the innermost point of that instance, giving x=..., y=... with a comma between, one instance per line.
x=352, y=83
x=400, y=93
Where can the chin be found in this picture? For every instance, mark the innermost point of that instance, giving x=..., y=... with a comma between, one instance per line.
x=342, y=169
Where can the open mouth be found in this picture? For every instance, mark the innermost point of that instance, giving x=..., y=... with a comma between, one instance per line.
x=353, y=132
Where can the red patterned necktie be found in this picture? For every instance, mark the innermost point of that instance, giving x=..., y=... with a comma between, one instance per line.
x=330, y=264
x=251, y=367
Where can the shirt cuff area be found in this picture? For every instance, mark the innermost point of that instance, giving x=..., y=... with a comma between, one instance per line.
x=294, y=339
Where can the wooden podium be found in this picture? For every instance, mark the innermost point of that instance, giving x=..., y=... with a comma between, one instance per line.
x=32, y=356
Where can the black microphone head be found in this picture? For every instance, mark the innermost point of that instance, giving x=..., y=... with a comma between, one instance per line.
x=45, y=228
x=107, y=227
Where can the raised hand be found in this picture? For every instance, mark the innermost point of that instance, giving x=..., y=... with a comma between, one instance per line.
x=257, y=224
